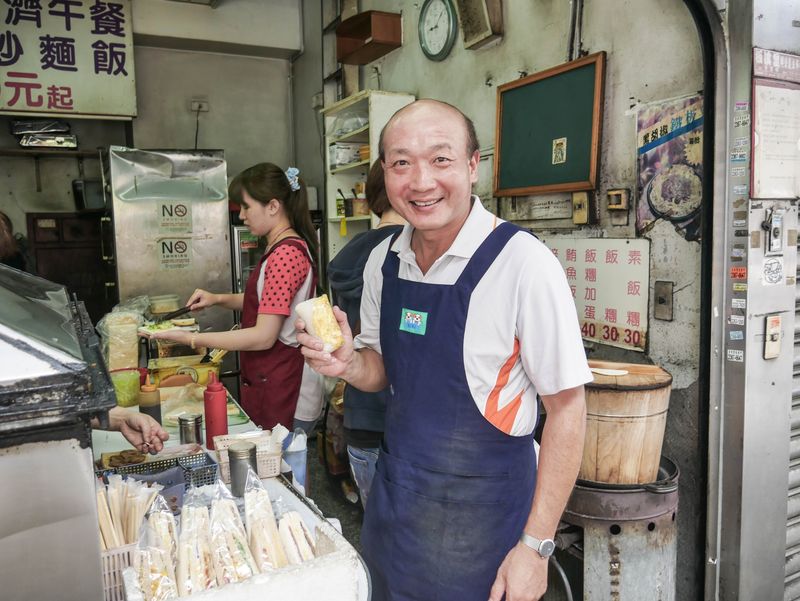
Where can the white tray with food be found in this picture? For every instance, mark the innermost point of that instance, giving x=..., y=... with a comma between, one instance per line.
x=282, y=549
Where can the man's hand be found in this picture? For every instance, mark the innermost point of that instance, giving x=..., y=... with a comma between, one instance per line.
x=522, y=576
x=141, y=430
x=328, y=364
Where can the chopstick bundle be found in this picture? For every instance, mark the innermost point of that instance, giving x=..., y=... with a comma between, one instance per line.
x=121, y=509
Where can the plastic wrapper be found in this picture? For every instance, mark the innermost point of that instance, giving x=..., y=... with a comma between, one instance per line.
x=262, y=527
x=121, y=509
x=233, y=561
x=195, y=567
x=120, y=339
x=296, y=538
x=321, y=322
x=295, y=455
x=126, y=386
x=155, y=555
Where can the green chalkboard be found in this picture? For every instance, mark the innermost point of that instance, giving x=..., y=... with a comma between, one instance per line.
x=548, y=129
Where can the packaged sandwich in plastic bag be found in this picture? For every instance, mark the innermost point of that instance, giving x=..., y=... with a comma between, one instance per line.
x=155, y=555
x=195, y=568
x=320, y=322
x=233, y=561
x=262, y=527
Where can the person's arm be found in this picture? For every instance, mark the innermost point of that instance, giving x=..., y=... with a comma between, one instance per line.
x=260, y=337
x=200, y=299
x=141, y=430
x=523, y=574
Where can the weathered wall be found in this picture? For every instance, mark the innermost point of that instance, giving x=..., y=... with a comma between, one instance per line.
x=306, y=81
x=653, y=54
x=248, y=100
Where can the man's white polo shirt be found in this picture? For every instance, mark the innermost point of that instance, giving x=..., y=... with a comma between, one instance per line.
x=522, y=335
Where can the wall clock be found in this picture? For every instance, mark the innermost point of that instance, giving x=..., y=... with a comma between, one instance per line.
x=438, y=25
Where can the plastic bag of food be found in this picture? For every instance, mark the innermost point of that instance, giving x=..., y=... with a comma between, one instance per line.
x=233, y=561
x=296, y=538
x=126, y=386
x=155, y=555
x=262, y=528
x=195, y=567
x=321, y=322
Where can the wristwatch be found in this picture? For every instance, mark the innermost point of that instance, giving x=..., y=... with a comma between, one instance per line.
x=544, y=547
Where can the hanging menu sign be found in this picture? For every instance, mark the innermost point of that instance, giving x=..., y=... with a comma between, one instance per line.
x=609, y=280
x=67, y=57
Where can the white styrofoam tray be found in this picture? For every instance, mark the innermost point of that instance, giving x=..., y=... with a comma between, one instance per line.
x=338, y=574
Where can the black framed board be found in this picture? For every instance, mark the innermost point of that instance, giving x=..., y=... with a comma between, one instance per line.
x=548, y=129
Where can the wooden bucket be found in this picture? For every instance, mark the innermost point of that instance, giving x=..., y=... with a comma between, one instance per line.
x=625, y=420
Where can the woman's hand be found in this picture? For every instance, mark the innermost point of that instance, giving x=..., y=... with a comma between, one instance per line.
x=333, y=364
x=176, y=335
x=200, y=299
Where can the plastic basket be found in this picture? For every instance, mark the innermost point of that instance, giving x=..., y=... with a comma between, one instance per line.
x=200, y=468
x=268, y=462
x=113, y=562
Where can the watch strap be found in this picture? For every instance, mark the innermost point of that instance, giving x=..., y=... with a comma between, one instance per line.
x=536, y=544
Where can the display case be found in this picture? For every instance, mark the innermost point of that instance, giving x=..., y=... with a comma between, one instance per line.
x=352, y=130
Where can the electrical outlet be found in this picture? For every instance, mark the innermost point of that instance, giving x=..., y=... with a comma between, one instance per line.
x=198, y=106
x=580, y=208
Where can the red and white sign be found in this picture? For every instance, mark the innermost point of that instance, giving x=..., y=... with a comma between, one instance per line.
x=609, y=280
x=67, y=57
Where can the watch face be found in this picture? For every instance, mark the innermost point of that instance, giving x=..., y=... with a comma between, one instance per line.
x=437, y=28
x=546, y=548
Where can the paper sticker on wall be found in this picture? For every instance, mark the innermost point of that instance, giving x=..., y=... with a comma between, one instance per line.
x=737, y=335
x=738, y=171
x=773, y=271
x=174, y=253
x=740, y=189
x=736, y=320
x=559, y=151
x=174, y=217
x=738, y=273
x=739, y=303
x=735, y=355
x=739, y=287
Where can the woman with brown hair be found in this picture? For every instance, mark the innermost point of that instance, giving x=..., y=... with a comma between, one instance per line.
x=273, y=203
x=10, y=253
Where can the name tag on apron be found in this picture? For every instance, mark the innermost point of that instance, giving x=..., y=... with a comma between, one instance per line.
x=413, y=322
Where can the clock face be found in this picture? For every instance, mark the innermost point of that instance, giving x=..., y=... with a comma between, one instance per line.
x=437, y=28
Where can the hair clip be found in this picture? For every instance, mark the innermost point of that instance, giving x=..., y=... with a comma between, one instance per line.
x=291, y=175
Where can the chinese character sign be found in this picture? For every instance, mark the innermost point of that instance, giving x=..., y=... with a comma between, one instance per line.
x=68, y=57
x=609, y=283
x=670, y=164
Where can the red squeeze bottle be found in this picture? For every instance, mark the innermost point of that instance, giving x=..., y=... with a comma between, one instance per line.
x=215, y=403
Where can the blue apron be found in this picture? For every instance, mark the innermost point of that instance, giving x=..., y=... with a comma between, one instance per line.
x=452, y=493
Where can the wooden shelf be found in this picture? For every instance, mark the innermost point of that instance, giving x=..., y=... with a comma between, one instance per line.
x=367, y=36
x=350, y=166
x=47, y=152
x=358, y=135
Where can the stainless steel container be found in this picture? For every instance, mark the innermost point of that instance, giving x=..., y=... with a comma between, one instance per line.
x=191, y=428
x=242, y=456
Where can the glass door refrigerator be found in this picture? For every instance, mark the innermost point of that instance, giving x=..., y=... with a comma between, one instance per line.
x=247, y=252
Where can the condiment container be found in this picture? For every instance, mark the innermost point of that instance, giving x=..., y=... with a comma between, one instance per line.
x=150, y=401
x=242, y=456
x=215, y=402
x=190, y=426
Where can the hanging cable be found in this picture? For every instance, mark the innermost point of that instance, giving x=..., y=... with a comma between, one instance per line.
x=196, y=127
